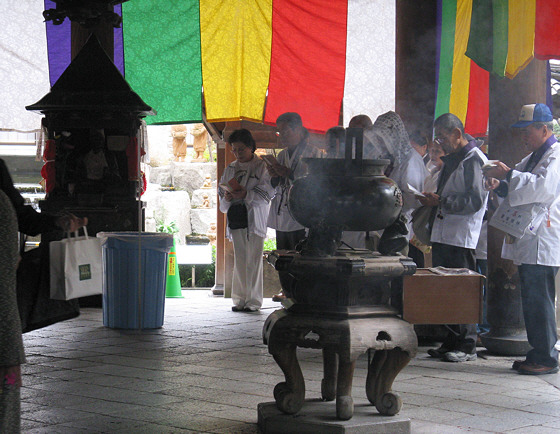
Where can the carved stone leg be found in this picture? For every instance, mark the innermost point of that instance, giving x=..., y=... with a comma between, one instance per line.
x=344, y=401
x=382, y=371
x=289, y=395
x=330, y=371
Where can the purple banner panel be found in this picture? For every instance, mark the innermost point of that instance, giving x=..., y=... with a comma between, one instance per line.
x=58, y=45
x=60, y=49
x=118, y=40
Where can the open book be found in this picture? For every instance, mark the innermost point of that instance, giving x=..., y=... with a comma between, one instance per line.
x=231, y=186
x=489, y=164
x=414, y=191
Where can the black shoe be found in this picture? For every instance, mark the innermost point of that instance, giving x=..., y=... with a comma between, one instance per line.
x=536, y=369
x=237, y=308
x=437, y=353
x=517, y=364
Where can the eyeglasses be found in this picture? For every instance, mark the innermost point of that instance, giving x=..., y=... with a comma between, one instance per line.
x=239, y=150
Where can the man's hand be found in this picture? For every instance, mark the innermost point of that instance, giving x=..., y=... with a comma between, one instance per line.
x=429, y=199
x=228, y=197
x=279, y=170
x=498, y=171
x=491, y=183
x=71, y=223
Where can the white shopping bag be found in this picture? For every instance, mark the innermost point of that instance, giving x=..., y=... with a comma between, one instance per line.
x=76, y=267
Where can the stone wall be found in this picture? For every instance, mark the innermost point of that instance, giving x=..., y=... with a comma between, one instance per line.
x=184, y=193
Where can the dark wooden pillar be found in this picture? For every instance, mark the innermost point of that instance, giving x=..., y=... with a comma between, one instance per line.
x=218, y=288
x=224, y=248
x=415, y=63
x=507, y=329
x=103, y=30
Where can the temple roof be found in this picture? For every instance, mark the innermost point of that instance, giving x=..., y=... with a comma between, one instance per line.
x=92, y=83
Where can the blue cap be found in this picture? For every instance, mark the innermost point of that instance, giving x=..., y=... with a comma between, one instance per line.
x=532, y=113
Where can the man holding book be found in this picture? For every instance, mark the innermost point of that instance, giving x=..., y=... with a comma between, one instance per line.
x=532, y=188
x=287, y=168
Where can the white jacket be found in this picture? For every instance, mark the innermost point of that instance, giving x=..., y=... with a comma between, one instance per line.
x=541, y=186
x=459, y=217
x=255, y=178
x=411, y=172
x=279, y=217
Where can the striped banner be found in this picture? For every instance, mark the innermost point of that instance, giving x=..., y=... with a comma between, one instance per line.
x=502, y=35
x=547, y=29
x=308, y=61
x=521, y=36
x=370, y=68
x=162, y=57
x=252, y=59
x=462, y=87
x=236, y=43
x=60, y=48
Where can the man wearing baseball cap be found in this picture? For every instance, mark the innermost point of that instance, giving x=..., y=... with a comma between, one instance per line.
x=533, y=188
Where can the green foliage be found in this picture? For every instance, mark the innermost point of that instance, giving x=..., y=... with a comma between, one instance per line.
x=556, y=129
x=169, y=228
x=207, y=154
x=270, y=244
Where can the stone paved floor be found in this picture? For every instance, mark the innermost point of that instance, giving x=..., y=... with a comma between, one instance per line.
x=207, y=369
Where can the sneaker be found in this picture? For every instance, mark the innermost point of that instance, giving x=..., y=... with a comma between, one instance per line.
x=536, y=369
x=237, y=308
x=250, y=309
x=458, y=356
x=438, y=353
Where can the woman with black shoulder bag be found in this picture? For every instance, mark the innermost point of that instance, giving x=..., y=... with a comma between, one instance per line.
x=245, y=193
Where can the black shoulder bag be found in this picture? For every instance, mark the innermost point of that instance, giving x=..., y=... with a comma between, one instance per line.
x=237, y=216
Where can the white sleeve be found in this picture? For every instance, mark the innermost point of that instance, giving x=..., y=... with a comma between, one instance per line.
x=226, y=176
x=263, y=192
x=539, y=187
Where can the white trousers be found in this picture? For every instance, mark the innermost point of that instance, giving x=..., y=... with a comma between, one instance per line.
x=247, y=285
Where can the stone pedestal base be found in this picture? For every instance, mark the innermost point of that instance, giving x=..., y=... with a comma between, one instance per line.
x=342, y=338
x=511, y=342
x=317, y=416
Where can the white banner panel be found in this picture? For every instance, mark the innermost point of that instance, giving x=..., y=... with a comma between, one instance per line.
x=24, y=75
x=370, y=58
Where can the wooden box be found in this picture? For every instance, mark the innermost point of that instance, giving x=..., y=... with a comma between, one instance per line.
x=433, y=298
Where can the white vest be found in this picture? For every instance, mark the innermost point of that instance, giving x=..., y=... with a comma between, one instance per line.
x=461, y=230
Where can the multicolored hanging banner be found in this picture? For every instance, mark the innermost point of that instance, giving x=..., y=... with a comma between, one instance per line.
x=23, y=64
x=547, y=29
x=505, y=34
x=370, y=67
x=235, y=44
x=252, y=59
x=308, y=61
x=162, y=57
x=462, y=86
x=60, y=48
x=502, y=34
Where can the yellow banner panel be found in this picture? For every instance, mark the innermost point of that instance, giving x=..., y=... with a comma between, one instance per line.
x=460, y=77
x=235, y=41
x=521, y=35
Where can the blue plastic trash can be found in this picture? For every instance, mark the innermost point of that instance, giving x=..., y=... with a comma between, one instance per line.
x=134, y=277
